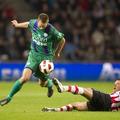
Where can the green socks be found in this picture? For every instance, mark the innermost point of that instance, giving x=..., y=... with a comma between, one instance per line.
x=16, y=87
x=50, y=83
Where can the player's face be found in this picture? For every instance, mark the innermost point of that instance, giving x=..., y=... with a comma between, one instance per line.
x=41, y=24
x=117, y=85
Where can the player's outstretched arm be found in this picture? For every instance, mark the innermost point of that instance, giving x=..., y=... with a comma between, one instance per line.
x=19, y=25
x=59, y=48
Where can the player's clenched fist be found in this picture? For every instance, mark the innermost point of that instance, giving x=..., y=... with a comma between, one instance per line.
x=14, y=22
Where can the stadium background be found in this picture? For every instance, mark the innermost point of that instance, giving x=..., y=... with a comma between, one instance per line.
x=92, y=32
x=91, y=53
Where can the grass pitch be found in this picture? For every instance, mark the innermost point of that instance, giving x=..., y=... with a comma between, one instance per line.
x=27, y=104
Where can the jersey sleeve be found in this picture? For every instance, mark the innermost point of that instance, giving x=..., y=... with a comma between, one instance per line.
x=31, y=24
x=58, y=35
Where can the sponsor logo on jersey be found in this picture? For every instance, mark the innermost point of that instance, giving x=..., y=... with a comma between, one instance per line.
x=45, y=35
x=41, y=39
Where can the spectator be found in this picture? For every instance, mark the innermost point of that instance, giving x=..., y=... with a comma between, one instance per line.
x=92, y=29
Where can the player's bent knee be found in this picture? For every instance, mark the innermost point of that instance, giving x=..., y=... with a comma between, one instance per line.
x=42, y=83
x=24, y=79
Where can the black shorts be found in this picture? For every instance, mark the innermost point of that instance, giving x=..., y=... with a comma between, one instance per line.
x=99, y=102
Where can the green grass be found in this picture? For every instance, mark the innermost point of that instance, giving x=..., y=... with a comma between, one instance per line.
x=27, y=104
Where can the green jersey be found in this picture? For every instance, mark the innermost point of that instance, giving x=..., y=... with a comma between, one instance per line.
x=43, y=40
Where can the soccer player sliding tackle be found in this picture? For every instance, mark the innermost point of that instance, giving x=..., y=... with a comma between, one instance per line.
x=46, y=44
x=97, y=101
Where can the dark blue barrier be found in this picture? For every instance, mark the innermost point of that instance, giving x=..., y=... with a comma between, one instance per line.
x=81, y=71
x=10, y=71
x=73, y=71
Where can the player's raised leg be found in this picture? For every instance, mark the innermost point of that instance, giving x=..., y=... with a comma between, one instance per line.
x=43, y=71
x=80, y=106
x=47, y=83
x=86, y=92
x=17, y=86
x=50, y=87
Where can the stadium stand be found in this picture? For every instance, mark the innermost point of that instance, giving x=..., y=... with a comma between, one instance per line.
x=91, y=28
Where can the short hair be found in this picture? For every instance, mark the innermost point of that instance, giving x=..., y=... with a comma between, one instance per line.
x=117, y=79
x=43, y=17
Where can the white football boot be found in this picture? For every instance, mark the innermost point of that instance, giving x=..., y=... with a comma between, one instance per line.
x=58, y=85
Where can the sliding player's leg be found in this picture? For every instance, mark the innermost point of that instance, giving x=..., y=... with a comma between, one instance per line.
x=17, y=86
x=80, y=106
x=86, y=92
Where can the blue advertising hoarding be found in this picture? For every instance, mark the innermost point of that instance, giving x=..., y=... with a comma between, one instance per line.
x=68, y=71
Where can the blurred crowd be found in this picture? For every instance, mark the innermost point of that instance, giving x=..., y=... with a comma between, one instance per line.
x=14, y=43
x=91, y=29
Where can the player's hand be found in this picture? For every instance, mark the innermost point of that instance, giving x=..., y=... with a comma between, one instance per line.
x=14, y=23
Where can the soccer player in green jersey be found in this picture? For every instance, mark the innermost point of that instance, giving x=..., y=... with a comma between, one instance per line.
x=46, y=44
